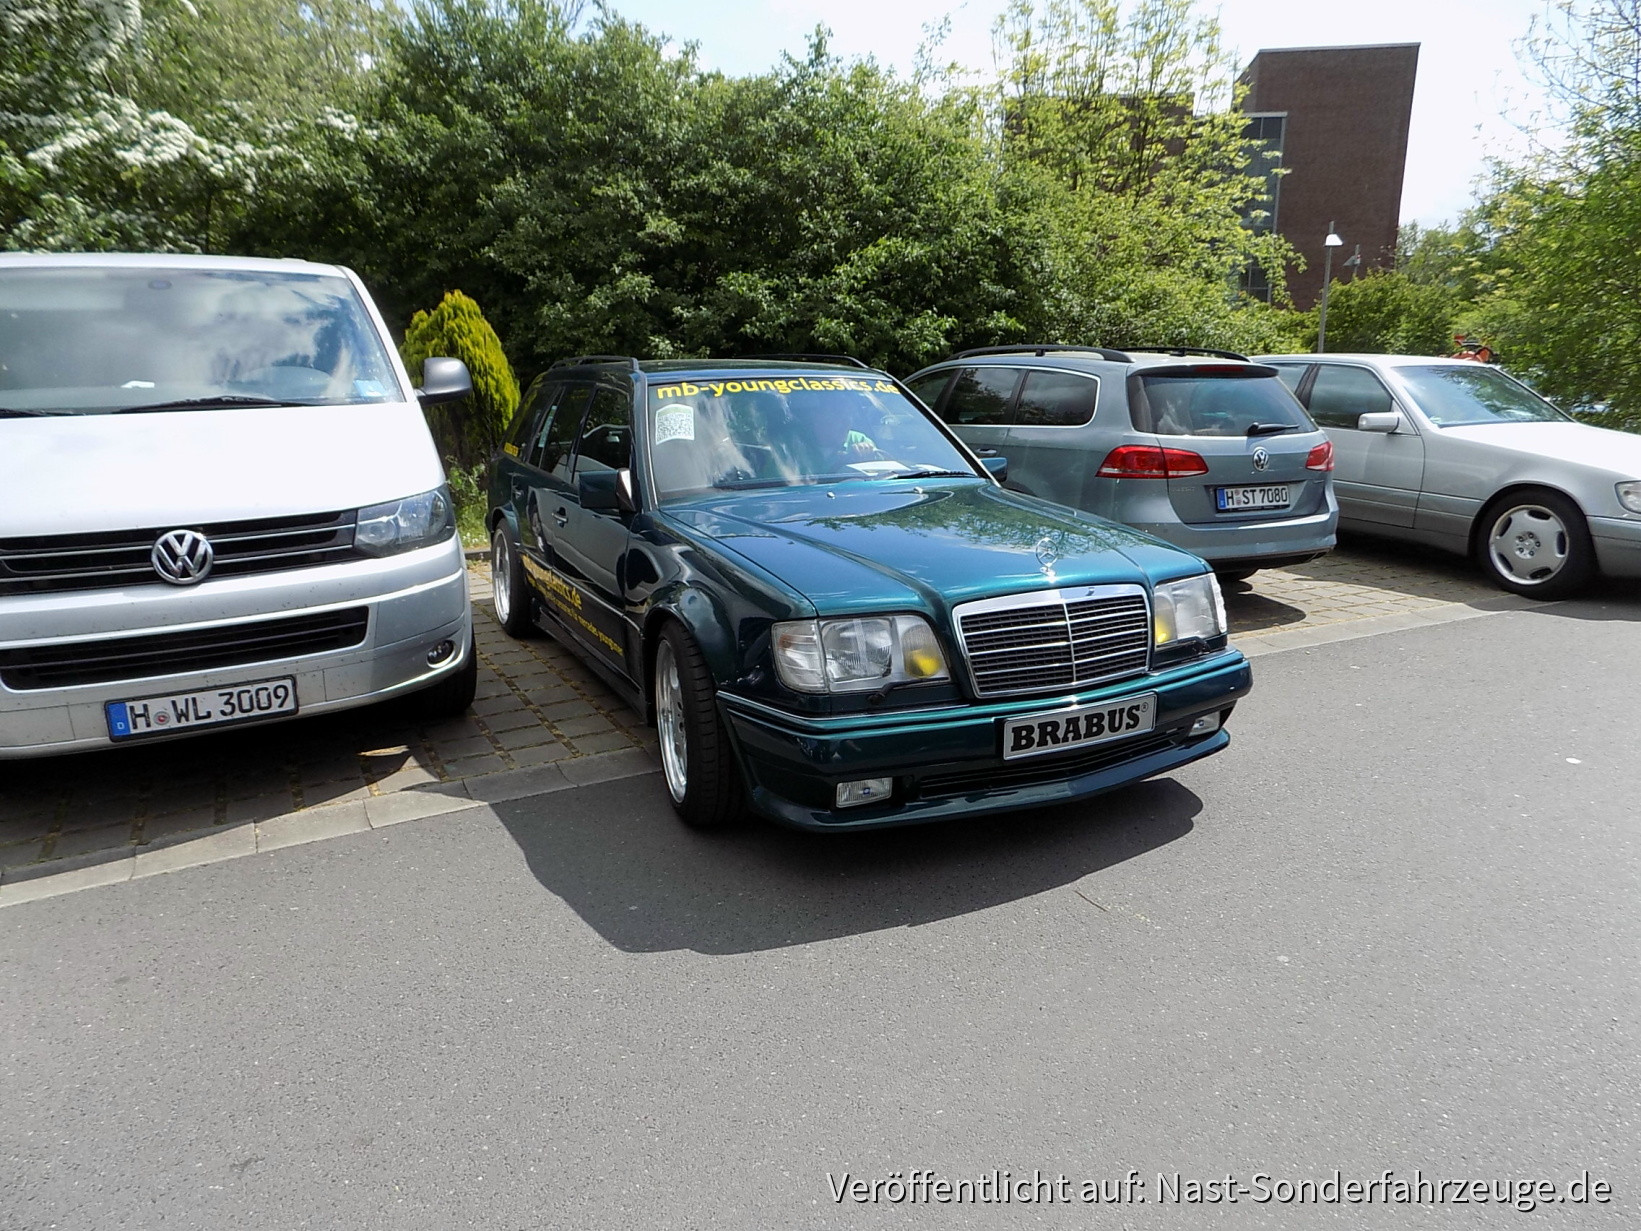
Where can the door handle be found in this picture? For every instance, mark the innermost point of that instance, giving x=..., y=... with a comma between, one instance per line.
x=985, y=452
x=561, y=517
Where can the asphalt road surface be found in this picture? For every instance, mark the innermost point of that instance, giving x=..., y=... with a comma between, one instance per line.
x=1393, y=928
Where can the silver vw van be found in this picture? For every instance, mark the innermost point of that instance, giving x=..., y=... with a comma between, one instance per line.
x=219, y=503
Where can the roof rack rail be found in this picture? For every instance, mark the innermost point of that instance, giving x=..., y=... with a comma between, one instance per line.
x=1193, y=350
x=585, y=360
x=1115, y=356
x=798, y=357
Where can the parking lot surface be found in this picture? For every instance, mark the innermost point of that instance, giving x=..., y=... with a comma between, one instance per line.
x=538, y=706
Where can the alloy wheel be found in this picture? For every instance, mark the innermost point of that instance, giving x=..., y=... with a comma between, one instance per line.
x=669, y=722
x=1528, y=544
x=501, y=577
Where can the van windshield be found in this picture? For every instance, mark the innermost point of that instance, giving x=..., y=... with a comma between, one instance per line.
x=83, y=340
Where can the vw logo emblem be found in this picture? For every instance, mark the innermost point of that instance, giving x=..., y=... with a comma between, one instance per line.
x=1262, y=458
x=1047, y=553
x=182, y=557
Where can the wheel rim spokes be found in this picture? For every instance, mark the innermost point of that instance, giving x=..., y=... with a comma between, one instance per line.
x=669, y=722
x=1529, y=544
x=500, y=594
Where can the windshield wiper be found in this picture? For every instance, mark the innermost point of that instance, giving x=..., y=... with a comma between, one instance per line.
x=936, y=474
x=1270, y=429
x=24, y=412
x=216, y=401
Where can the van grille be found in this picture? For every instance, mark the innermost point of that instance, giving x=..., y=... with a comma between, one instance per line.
x=121, y=558
x=205, y=649
x=1055, y=639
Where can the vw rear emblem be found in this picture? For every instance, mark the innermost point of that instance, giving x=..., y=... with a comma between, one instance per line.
x=182, y=557
x=1262, y=458
x=1047, y=553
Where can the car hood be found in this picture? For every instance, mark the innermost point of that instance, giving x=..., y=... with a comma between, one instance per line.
x=78, y=474
x=1578, y=443
x=883, y=546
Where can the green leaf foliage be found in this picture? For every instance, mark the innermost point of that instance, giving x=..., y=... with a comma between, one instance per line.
x=466, y=431
x=1386, y=312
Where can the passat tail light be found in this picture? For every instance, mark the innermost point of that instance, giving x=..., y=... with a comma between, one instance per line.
x=1321, y=457
x=1150, y=462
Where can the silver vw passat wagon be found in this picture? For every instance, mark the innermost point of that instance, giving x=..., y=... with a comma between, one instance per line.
x=1202, y=449
x=219, y=503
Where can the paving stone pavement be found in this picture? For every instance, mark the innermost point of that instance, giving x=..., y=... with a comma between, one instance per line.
x=537, y=706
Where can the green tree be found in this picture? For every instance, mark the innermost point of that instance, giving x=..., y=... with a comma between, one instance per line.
x=466, y=431
x=1387, y=312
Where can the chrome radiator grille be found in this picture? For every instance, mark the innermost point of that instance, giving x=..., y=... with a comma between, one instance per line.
x=1052, y=639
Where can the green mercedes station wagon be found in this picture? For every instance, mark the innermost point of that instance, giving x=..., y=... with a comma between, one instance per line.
x=832, y=611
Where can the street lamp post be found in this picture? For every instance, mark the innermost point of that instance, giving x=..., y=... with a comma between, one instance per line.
x=1330, y=243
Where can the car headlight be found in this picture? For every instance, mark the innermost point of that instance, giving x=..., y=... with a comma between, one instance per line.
x=1629, y=495
x=1188, y=610
x=404, y=525
x=857, y=655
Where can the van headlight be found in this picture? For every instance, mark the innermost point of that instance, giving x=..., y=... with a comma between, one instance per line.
x=856, y=655
x=1188, y=610
x=404, y=525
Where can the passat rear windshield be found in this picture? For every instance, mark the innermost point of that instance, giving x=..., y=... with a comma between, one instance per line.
x=87, y=340
x=1232, y=402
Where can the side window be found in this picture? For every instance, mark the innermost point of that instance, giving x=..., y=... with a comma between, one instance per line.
x=1339, y=394
x=929, y=388
x=981, y=396
x=537, y=399
x=1056, y=399
x=1291, y=375
x=551, y=449
x=606, y=440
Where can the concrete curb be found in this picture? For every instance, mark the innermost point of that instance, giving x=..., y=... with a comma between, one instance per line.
x=54, y=878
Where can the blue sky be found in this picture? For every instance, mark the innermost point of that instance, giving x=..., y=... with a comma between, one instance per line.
x=1469, y=78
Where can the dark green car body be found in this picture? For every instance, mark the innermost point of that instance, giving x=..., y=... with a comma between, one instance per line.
x=606, y=575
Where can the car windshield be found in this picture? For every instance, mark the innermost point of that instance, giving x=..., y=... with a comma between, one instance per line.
x=783, y=430
x=1234, y=402
x=78, y=340
x=1457, y=395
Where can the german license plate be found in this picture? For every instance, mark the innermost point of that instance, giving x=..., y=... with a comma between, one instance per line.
x=1237, y=499
x=210, y=707
x=1079, y=727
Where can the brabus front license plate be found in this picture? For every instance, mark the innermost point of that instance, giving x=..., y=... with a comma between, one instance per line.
x=1238, y=499
x=209, y=707
x=1080, y=727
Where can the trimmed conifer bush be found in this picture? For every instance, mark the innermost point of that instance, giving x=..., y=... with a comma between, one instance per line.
x=467, y=431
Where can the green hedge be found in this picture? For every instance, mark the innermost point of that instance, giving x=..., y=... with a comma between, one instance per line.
x=468, y=431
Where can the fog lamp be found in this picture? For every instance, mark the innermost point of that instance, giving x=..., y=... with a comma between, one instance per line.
x=440, y=653
x=1206, y=725
x=864, y=791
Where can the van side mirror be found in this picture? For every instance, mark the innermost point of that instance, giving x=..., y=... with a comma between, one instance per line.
x=443, y=380
x=997, y=467
x=1380, y=421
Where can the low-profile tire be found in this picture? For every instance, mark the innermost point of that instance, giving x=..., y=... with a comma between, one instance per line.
x=1535, y=543
x=1234, y=574
x=509, y=594
x=697, y=762
x=452, y=695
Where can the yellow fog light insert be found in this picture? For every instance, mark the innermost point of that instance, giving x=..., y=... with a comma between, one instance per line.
x=856, y=654
x=1189, y=610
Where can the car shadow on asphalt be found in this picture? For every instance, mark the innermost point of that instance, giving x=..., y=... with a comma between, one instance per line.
x=646, y=883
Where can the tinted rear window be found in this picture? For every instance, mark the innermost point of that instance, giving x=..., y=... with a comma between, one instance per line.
x=1213, y=404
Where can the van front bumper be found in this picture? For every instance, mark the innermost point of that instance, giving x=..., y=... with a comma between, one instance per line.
x=946, y=761
x=413, y=601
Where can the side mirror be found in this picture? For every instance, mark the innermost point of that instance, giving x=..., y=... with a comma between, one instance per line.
x=997, y=467
x=444, y=380
x=606, y=491
x=1380, y=421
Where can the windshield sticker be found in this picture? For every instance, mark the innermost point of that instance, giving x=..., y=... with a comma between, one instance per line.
x=784, y=384
x=675, y=422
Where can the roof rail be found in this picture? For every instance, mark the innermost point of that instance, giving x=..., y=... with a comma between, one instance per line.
x=1192, y=350
x=796, y=357
x=586, y=360
x=1115, y=356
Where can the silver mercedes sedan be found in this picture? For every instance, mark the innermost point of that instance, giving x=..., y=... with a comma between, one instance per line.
x=1461, y=456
